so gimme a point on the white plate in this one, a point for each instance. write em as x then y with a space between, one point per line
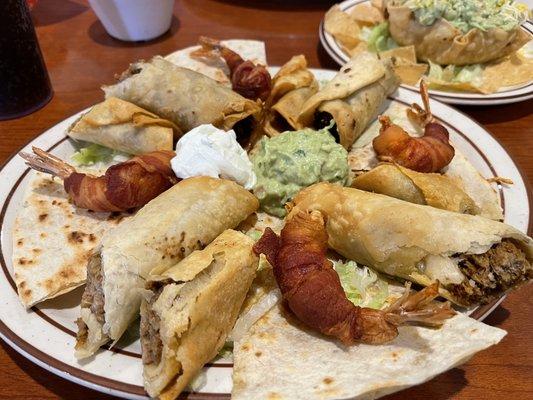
46 333
503 96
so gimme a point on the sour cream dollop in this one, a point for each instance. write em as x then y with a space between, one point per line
209 151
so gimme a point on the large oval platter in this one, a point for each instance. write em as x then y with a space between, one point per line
46 333
505 95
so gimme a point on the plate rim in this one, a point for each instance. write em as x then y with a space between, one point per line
331 46
125 390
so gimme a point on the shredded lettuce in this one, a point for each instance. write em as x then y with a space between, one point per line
378 38
472 74
94 153
363 287
227 350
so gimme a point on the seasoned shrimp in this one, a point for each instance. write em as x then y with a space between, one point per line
313 292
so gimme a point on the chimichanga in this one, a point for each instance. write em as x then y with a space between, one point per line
474 258
190 310
185 218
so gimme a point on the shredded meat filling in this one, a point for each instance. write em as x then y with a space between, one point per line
489 274
93 295
152 346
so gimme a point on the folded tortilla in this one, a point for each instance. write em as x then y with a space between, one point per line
185 218
353 98
281 359
123 126
185 97
53 239
190 310
434 190
475 259
442 43
291 87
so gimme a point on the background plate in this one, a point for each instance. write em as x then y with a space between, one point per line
46 333
504 96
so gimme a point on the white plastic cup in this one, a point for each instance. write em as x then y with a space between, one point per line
134 20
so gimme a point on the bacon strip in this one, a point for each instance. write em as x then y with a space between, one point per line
248 79
124 186
313 291
429 153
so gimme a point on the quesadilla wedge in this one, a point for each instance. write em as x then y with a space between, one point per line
281 359
52 240
474 258
185 218
190 310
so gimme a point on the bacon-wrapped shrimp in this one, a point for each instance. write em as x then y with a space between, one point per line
250 80
313 291
429 153
124 186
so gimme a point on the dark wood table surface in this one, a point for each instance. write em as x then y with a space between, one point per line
80 57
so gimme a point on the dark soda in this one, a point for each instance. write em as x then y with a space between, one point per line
24 82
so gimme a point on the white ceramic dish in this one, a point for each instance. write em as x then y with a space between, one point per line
503 96
46 333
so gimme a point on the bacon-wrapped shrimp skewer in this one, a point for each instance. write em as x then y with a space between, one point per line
124 186
250 80
313 292
429 153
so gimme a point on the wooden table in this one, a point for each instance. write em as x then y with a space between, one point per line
81 57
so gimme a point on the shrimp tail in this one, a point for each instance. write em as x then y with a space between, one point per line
45 162
419 308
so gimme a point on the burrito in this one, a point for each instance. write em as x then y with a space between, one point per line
185 97
475 259
185 218
434 190
291 87
190 310
467 32
353 98
123 126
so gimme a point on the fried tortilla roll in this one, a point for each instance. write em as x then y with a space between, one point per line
183 96
443 43
475 259
190 310
185 218
123 126
291 87
353 98
434 190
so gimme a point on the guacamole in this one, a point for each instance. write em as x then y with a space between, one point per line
291 161
470 14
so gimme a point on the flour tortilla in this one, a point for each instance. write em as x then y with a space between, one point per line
52 240
281 359
253 50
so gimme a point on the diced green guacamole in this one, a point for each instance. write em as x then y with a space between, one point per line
291 161
469 14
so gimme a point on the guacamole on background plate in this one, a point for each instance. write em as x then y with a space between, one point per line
469 14
291 161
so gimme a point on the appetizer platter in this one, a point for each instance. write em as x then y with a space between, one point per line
469 53
219 227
